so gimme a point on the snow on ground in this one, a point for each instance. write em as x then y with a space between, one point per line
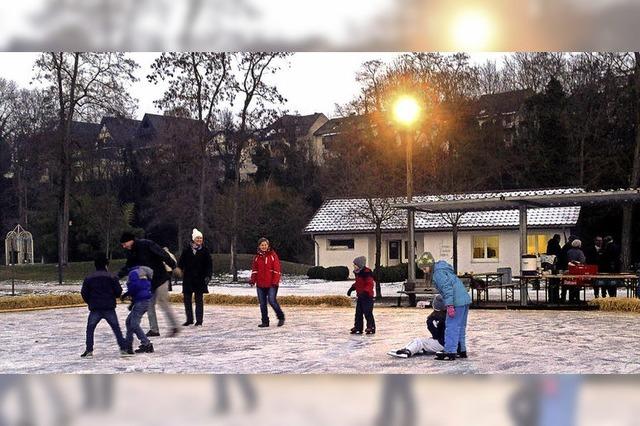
316 340
221 284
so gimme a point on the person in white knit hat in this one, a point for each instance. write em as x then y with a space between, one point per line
197 268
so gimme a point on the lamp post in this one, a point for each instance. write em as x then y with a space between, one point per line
406 112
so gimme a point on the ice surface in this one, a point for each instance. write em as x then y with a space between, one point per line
316 340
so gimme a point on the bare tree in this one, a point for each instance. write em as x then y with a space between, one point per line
198 82
84 85
258 100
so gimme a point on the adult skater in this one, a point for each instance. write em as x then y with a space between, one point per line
142 252
265 275
197 267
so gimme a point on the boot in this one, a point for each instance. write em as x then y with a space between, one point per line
187 323
145 349
370 331
355 331
442 356
462 354
281 322
152 333
87 354
263 325
126 352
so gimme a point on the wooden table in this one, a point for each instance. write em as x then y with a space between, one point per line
630 282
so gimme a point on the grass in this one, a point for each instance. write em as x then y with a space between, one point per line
617 304
76 271
34 301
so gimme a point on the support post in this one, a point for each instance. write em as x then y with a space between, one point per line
411 255
523 250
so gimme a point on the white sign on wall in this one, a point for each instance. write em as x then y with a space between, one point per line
445 251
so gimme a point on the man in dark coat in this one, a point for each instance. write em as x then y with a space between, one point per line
553 245
197 267
100 291
562 263
594 254
143 252
611 263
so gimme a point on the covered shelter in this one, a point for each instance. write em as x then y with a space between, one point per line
18 247
521 201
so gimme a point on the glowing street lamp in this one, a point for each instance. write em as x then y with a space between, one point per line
406 112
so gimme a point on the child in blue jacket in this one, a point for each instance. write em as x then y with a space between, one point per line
456 299
139 290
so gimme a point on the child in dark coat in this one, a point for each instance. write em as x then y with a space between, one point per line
139 290
100 291
364 291
436 324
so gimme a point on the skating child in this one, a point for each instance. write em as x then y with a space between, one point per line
139 290
100 291
364 292
436 323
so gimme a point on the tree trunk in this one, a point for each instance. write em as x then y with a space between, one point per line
234 223
377 263
455 246
203 177
627 209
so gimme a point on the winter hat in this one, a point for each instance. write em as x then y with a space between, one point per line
195 234
263 240
608 239
426 260
100 261
360 262
576 243
438 303
127 236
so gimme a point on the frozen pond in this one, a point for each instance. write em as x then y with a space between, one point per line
316 340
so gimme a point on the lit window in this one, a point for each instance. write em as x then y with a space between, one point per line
537 243
486 247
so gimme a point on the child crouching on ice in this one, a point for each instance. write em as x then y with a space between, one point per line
436 323
364 291
139 290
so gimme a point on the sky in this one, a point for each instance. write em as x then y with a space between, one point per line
314 81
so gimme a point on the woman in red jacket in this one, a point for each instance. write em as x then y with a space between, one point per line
265 274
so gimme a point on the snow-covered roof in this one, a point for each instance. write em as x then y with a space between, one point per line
344 215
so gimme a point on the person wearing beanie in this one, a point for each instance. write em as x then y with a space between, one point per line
100 291
197 268
436 324
265 275
457 300
139 291
364 292
143 252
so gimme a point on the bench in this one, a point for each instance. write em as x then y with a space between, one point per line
413 294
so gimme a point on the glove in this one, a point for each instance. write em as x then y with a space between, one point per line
349 291
207 280
451 311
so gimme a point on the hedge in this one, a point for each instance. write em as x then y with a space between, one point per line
336 273
316 273
397 273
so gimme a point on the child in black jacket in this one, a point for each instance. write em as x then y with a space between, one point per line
100 291
428 345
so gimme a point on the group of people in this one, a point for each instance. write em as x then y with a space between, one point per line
602 252
447 323
148 270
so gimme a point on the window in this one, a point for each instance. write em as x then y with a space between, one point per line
394 250
486 248
347 244
537 243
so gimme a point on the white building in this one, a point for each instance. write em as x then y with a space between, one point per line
486 240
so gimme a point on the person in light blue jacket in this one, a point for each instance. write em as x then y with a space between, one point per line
457 300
